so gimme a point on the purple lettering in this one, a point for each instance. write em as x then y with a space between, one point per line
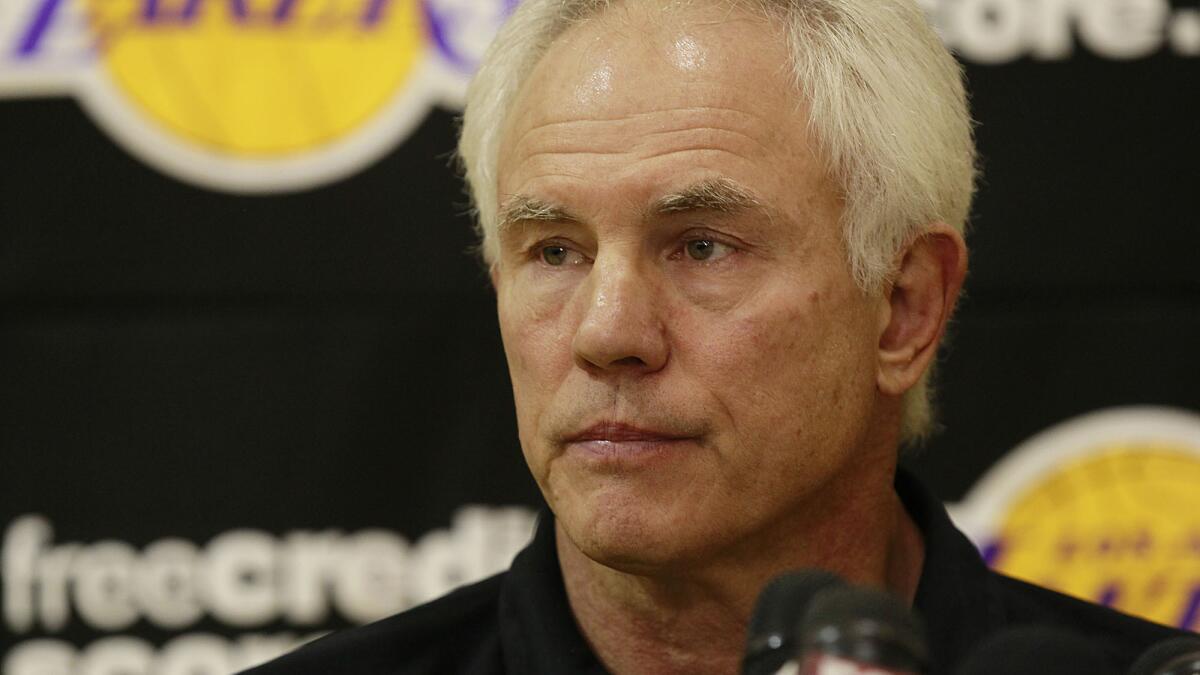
190 9
1109 594
153 11
374 13
42 19
283 11
991 551
1190 620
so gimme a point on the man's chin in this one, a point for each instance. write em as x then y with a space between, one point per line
631 540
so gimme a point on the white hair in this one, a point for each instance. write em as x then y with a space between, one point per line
886 107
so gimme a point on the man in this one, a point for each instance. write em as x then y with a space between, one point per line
725 238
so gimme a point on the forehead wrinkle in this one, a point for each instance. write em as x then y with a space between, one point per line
549 157
708 141
656 111
658 154
554 128
712 134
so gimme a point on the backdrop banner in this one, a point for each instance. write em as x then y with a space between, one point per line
253 388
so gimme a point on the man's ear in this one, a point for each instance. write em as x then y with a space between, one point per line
919 304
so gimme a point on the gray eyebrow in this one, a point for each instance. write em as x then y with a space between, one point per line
720 194
522 208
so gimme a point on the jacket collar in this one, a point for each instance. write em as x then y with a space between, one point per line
955 595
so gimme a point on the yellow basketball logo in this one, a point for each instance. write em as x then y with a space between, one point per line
249 95
1106 508
255 77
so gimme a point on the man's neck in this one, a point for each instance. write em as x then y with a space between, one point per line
693 619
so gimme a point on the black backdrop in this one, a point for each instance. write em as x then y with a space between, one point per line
176 361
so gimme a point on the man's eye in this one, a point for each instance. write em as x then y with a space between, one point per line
556 255
706 249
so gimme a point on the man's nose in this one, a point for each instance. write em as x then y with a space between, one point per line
622 327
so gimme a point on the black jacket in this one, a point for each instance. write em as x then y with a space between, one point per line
519 621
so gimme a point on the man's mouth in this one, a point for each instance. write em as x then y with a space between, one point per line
620 432
621 442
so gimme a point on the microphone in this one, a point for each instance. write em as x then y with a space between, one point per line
1177 656
779 609
1035 649
862 631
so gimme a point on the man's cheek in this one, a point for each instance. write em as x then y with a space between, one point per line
720 296
546 360
531 340
752 349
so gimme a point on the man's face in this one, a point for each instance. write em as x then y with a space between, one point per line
691 360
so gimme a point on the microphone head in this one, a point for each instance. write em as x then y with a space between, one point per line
867 626
779 609
1035 649
1177 656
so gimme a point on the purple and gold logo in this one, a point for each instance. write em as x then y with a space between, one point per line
249 95
1105 507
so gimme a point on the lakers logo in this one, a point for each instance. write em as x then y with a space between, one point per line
1106 508
249 95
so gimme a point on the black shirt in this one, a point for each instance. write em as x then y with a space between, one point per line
520 622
